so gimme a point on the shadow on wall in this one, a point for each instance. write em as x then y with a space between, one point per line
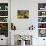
13 27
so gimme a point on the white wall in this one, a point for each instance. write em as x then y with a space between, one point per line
3 1
23 24
4 41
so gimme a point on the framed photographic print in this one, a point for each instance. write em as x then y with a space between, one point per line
41 19
4 29
3 19
41 6
22 14
42 32
3 13
41 25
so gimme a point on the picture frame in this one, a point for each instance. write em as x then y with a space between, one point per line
22 14
42 33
